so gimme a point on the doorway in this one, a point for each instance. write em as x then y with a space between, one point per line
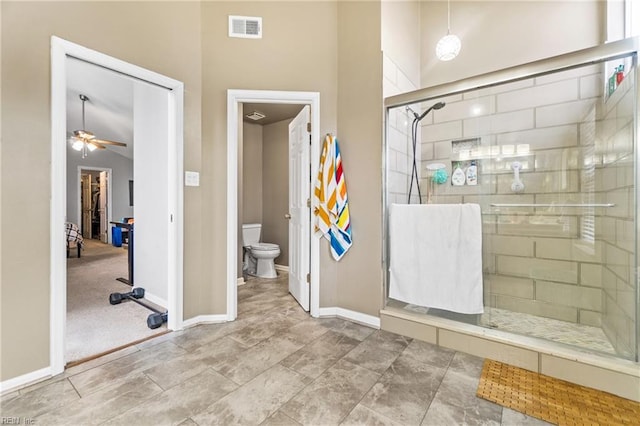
235 100
148 84
275 148
94 202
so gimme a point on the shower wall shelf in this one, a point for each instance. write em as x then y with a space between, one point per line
551 205
498 157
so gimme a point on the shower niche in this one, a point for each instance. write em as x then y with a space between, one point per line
465 159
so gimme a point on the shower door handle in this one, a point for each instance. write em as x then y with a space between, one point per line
287 216
584 205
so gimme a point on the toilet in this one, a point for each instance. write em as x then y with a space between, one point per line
258 257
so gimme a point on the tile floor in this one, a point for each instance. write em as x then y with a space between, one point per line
274 365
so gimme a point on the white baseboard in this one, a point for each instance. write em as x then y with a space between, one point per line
281 268
24 380
204 319
241 281
368 320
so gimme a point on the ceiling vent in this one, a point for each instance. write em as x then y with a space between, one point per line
245 26
255 116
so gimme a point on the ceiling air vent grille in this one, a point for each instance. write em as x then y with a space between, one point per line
255 115
245 26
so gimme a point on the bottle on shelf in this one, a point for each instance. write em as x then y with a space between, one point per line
458 177
472 173
619 74
611 87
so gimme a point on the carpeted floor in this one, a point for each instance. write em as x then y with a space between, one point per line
93 325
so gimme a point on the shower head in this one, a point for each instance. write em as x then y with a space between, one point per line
438 105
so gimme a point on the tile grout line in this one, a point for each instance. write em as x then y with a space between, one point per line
435 393
376 382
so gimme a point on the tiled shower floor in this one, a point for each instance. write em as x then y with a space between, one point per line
578 335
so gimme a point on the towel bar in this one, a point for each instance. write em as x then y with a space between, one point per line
552 205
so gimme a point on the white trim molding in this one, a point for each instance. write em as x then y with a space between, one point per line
24 380
282 268
234 98
359 317
204 319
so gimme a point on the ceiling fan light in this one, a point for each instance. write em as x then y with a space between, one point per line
91 146
448 47
77 144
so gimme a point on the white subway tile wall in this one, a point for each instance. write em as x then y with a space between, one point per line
576 147
399 144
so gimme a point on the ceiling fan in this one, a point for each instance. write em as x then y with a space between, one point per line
83 140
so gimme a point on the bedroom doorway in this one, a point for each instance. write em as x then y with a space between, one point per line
95 202
155 99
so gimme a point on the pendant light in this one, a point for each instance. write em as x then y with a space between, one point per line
448 46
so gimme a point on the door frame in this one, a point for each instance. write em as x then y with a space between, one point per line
109 199
235 97
60 50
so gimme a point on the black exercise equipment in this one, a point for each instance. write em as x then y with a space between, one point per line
155 320
136 293
129 227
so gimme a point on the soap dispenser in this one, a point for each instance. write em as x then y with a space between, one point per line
458 177
472 174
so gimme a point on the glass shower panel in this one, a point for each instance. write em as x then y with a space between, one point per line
554 157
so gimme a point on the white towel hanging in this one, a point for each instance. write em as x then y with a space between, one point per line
436 256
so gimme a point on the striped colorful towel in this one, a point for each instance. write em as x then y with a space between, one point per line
332 214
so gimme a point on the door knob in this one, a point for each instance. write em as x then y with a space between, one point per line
287 216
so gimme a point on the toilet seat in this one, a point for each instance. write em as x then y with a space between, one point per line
264 246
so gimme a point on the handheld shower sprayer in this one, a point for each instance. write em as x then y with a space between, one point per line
438 105
414 136
419 117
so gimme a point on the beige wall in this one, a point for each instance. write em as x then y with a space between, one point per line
279 61
359 274
499 34
401 41
275 187
251 174
163 37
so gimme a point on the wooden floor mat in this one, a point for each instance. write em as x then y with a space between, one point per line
553 400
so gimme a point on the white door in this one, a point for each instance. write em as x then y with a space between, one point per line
150 186
299 196
103 207
87 208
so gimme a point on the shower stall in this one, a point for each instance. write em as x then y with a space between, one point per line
553 147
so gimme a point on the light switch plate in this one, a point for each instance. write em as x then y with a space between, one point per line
191 179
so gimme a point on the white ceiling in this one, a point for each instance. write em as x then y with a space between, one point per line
109 111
